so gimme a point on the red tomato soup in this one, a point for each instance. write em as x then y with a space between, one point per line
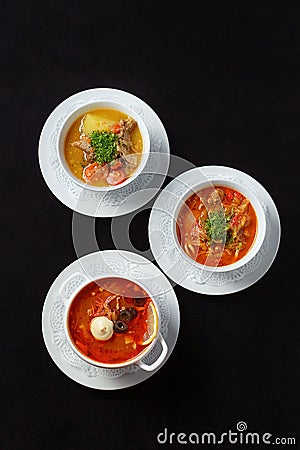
216 226
129 313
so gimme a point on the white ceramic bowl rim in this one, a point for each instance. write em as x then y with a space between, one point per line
260 215
98 104
68 303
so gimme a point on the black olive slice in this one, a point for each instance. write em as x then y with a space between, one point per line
127 314
120 327
133 312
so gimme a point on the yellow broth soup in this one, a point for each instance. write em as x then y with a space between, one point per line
103 147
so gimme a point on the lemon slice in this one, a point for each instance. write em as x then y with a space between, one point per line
152 325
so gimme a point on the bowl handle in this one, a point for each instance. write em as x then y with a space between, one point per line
74 275
153 366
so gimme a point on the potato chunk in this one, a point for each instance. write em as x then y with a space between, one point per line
93 121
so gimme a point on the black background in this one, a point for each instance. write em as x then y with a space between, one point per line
224 79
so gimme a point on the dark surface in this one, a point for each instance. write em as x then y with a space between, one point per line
224 79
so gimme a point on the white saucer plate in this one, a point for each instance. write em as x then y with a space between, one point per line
111 203
187 273
96 264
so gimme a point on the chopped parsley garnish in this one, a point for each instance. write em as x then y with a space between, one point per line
217 228
104 144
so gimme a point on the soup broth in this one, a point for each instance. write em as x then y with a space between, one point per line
127 306
216 226
103 147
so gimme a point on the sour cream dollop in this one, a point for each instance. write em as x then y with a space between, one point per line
102 328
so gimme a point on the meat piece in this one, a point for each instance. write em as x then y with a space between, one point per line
123 148
88 151
124 144
130 162
194 201
244 205
126 126
248 221
241 222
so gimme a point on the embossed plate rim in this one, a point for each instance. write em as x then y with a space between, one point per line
128 379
